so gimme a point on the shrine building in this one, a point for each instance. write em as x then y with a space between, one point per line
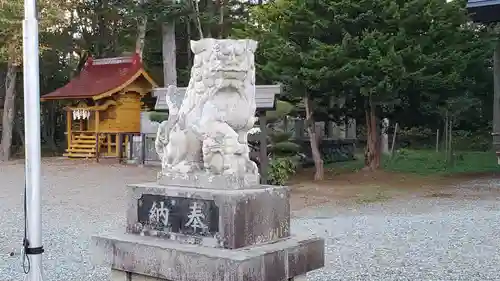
103 106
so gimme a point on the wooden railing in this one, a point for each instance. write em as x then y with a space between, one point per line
107 144
113 144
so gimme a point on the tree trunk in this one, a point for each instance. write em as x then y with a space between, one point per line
18 131
49 125
221 19
141 33
372 149
84 55
311 130
19 127
169 54
197 18
8 112
103 41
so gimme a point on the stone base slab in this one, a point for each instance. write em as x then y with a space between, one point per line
206 180
168 260
118 275
246 216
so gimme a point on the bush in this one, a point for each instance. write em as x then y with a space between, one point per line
156 116
284 149
425 138
280 170
414 137
475 141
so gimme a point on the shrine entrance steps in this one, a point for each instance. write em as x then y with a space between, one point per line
82 146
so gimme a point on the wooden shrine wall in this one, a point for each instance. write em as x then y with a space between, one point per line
125 116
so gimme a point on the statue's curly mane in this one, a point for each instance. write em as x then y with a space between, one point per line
198 92
217 111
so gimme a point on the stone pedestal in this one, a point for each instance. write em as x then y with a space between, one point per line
184 233
215 223
118 275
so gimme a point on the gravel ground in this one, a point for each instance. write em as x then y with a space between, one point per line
422 239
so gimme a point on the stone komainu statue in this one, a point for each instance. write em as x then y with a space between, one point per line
207 128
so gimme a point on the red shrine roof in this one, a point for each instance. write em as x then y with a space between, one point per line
102 77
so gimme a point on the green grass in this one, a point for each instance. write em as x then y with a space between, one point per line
427 162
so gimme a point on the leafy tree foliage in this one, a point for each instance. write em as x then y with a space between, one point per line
11 55
384 57
414 61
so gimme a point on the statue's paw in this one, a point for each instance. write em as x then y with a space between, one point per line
181 168
186 167
216 164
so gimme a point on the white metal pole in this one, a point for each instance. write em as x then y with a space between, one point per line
32 140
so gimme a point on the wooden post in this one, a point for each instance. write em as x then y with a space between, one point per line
119 146
96 121
108 141
437 140
131 147
69 119
264 161
394 139
143 149
97 145
97 140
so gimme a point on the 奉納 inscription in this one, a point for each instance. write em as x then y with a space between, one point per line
166 214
